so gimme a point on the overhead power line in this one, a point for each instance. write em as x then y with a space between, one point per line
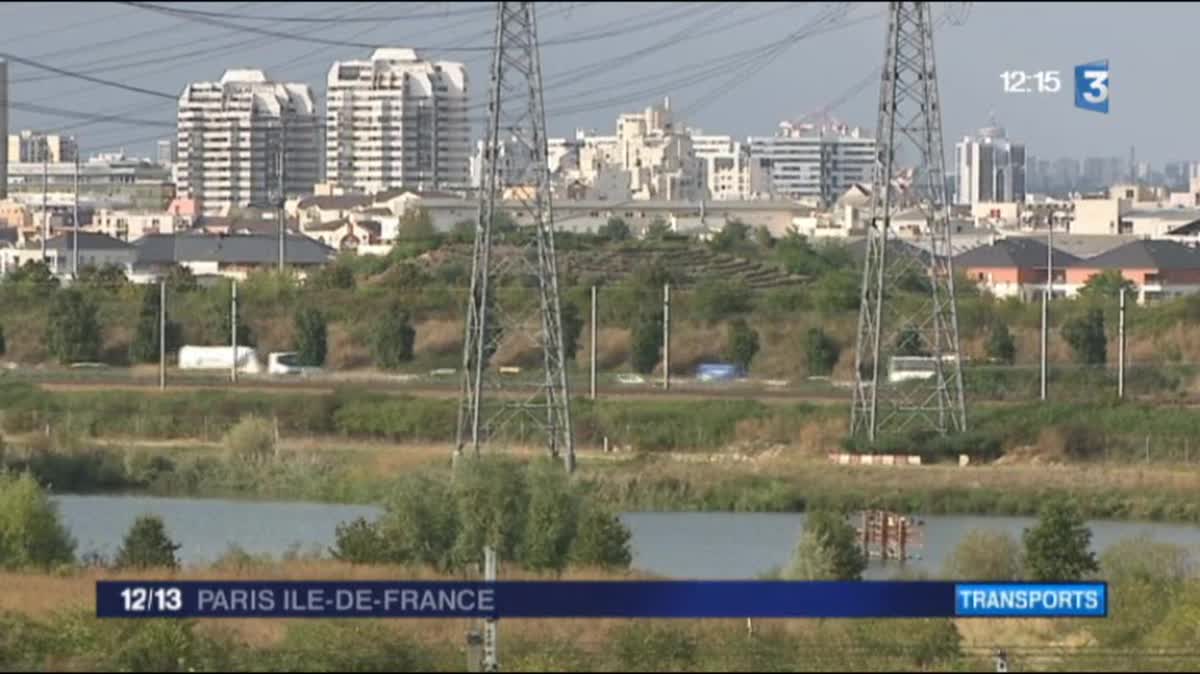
87 78
486 8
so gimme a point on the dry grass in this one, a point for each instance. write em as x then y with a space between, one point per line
345 351
612 347
438 337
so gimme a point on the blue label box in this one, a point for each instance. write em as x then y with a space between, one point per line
1091 86
1026 600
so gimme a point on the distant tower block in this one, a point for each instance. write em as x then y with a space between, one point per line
910 135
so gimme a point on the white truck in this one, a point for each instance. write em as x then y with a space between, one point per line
219 358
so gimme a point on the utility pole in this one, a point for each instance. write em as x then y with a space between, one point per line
491 636
1046 301
282 212
162 334
45 189
75 231
909 129
666 336
233 331
521 119
1121 349
593 391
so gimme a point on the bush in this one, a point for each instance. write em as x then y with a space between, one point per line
147 545
420 524
1000 345
838 541
572 327
821 352
718 300
311 337
647 344
252 439
145 345
742 344
1057 548
392 339
3 344
551 518
1085 335
31 533
985 555
601 540
359 542
72 328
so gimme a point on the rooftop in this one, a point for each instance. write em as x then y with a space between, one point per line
229 249
1019 252
1148 254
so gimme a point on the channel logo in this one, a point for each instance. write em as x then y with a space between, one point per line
1091 86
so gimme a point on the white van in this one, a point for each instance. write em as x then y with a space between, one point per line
288 362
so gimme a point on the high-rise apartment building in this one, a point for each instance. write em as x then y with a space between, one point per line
396 120
237 134
990 168
36 147
816 162
166 152
729 172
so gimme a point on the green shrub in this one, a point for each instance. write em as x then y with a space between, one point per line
31 532
147 545
252 439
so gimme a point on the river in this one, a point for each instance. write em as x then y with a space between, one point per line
677 545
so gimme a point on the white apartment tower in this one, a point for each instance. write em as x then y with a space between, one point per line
37 146
991 168
232 135
396 120
815 162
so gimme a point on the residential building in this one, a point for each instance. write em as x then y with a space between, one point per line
814 162
729 172
167 153
233 134
347 234
1016 267
1098 215
397 120
990 168
105 181
13 213
1158 269
38 146
95 250
130 225
230 256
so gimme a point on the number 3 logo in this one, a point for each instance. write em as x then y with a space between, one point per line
1091 86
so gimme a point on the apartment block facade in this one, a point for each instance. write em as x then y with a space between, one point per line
814 162
397 120
240 137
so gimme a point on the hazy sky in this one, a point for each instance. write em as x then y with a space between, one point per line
706 56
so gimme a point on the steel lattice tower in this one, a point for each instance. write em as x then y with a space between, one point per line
515 167
910 130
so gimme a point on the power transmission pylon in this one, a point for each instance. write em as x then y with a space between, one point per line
487 403
926 322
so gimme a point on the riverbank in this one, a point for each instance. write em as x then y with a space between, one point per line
783 479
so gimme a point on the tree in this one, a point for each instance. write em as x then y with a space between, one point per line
490 502
717 299
311 342
837 291
34 273
821 351
31 531
658 229
245 336
762 237
572 328
908 343
181 279
336 276
1000 345
72 329
144 347
1057 548
551 519
742 344
392 339
360 542
3 344
251 439
985 555
601 539
839 542
415 225
810 560
147 545
1106 286
614 230
107 277
647 342
1085 335
734 234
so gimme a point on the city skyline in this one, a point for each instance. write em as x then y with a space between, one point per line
783 87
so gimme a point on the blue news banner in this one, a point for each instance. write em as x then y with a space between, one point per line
606 599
